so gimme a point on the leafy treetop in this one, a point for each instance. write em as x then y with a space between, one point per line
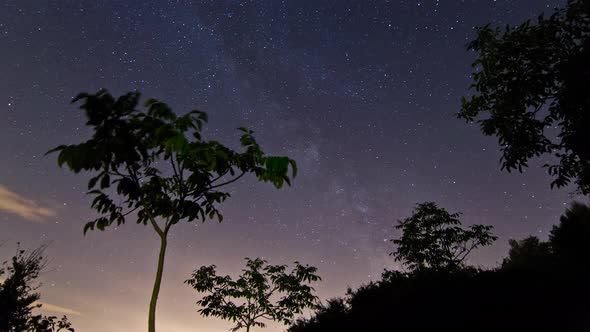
262 292
433 239
159 163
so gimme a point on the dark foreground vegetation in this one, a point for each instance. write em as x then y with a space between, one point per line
18 296
540 286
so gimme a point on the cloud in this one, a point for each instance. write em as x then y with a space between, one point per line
13 203
57 309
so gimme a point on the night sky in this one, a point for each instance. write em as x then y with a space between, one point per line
361 93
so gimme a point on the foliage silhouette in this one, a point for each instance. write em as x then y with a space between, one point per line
432 238
248 300
531 291
570 239
18 296
160 167
531 78
530 254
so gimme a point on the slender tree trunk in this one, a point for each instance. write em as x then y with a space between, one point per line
158 281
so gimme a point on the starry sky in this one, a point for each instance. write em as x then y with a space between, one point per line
360 92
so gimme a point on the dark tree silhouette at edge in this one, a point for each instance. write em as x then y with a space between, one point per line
18 295
531 91
541 286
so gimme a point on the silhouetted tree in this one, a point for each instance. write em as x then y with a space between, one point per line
570 240
160 166
529 253
532 92
18 296
432 238
531 291
262 292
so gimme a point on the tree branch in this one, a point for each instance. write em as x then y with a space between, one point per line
130 211
219 176
227 182
204 190
154 223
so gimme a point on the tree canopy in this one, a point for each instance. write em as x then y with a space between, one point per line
531 90
432 238
158 162
262 292
529 253
569 239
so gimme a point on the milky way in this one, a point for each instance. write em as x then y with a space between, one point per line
361 93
